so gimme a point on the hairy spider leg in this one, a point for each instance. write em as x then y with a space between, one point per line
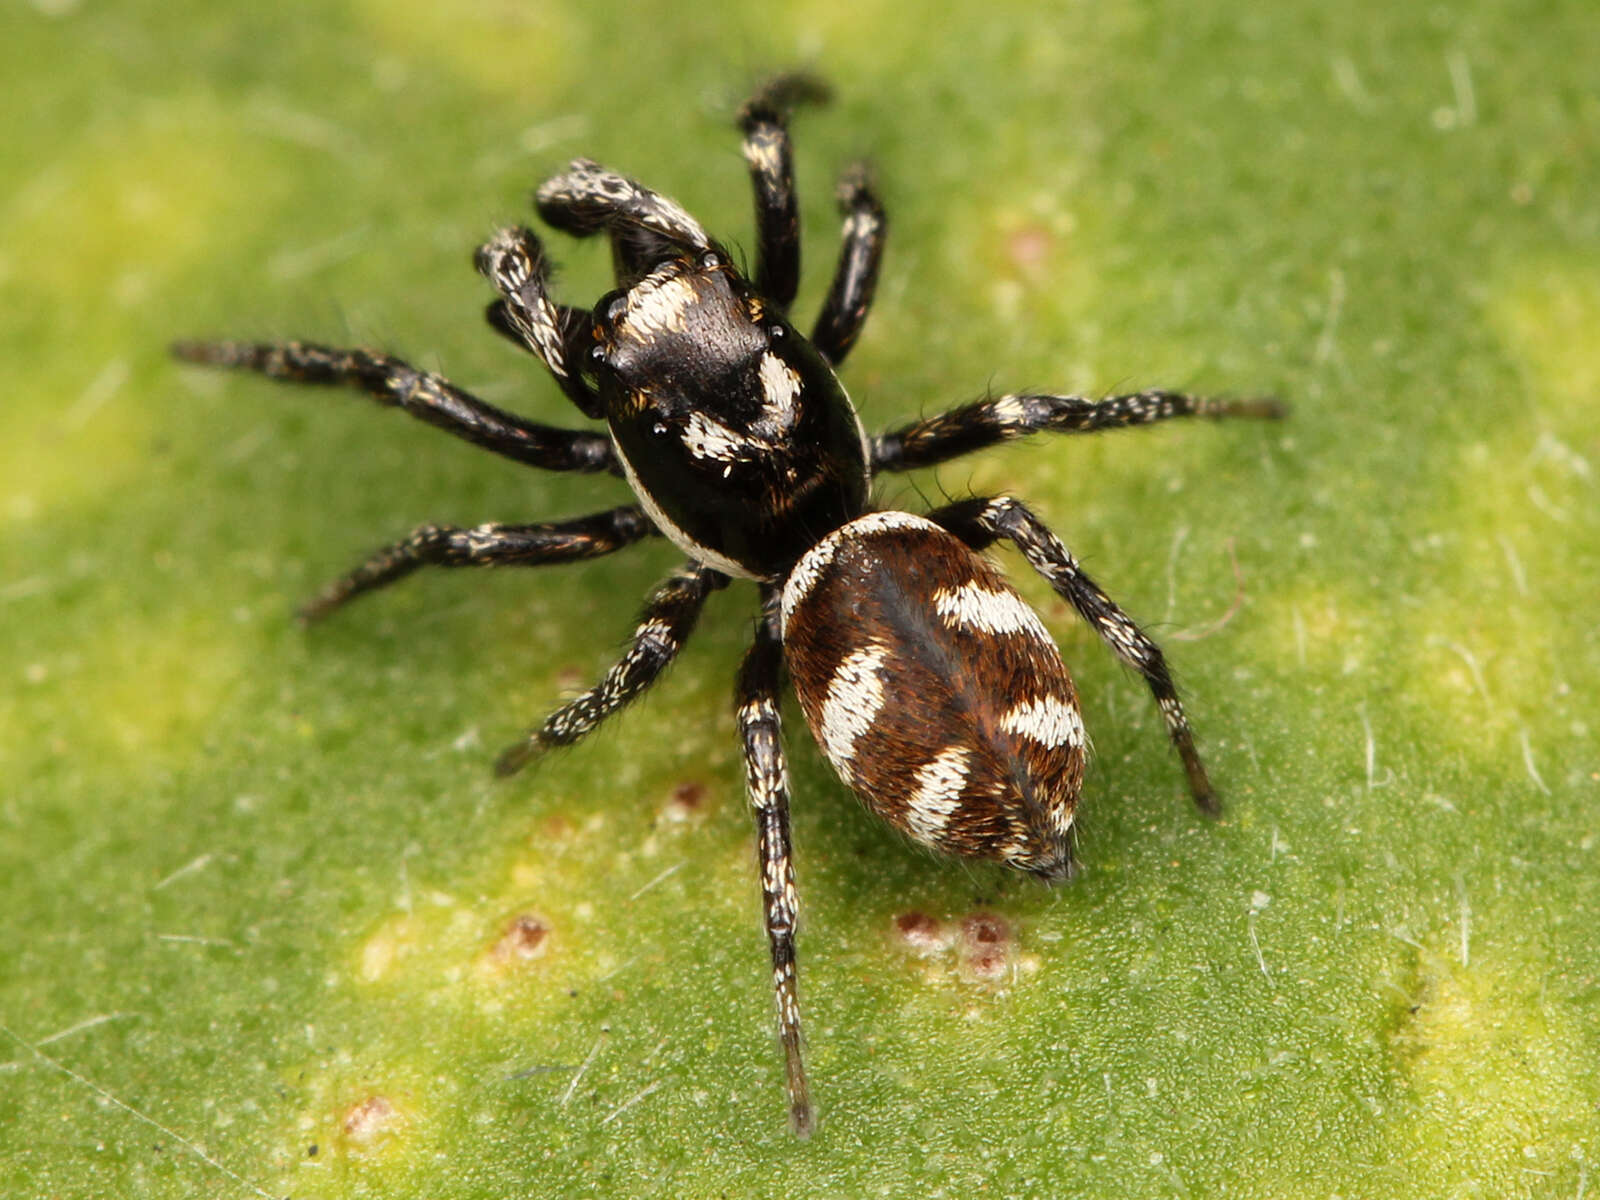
983 520
587 199
513 261
767 782
1005 418
488 545
855 278
664 626
423 394
764 121
646 227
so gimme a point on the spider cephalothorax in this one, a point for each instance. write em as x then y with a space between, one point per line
731 428
934 690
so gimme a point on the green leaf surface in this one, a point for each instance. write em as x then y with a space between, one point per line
269 927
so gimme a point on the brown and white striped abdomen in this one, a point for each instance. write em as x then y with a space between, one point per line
936 692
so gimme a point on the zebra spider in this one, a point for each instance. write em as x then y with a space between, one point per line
933 689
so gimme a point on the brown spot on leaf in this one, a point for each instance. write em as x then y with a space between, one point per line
557 828
986 945
687 800
1028 247
921 933
369 1120
525 938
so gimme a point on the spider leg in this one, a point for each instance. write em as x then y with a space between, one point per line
764 119
668 619
855 278
1005 418
492 545
513 260
423 394
981 521
589 199
767 781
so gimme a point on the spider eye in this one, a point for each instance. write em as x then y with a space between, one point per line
710 260
612 305
776 333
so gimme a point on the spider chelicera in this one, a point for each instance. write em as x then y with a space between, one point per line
934 690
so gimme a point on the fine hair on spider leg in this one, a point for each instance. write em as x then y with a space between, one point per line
935 691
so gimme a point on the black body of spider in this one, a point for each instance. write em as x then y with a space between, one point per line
934 690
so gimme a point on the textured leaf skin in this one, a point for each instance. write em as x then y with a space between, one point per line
258 886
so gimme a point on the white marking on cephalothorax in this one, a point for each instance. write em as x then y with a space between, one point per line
817 560
855 697
938 793
1048 720
674 532
988 610
865 439
706 437
780 389
658 306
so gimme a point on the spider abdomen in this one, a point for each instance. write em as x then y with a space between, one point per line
936 692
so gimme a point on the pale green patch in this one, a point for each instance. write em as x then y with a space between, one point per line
1493 1069
90 241
122 212
131 691
519 52
1548 315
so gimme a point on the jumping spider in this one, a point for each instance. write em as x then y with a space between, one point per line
935 691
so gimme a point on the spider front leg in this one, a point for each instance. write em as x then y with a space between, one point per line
492 545
668 619
980 522
767 782
513 260
764 119
855 279
646 228
423 394
1006 418
588 199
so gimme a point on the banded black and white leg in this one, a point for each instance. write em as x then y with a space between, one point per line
767 782
514 262
491 545
587 199
1006 418
645 227
764 120
423 394
981 521
664 625
855 277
